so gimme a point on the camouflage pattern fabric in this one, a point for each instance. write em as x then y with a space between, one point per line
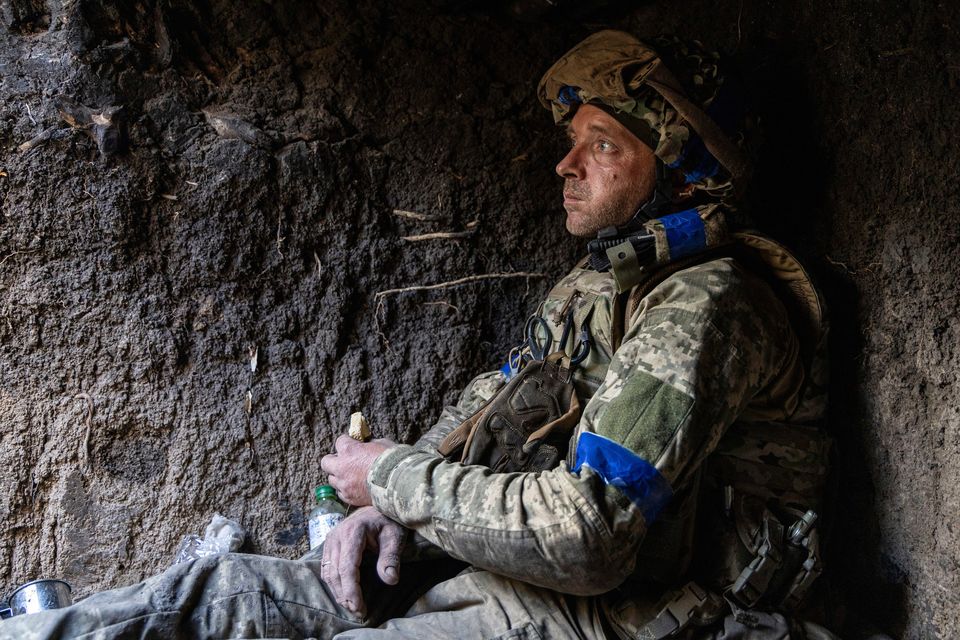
704 347
686 119
241 596
224 596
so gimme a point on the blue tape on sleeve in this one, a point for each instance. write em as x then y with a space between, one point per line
618 466
685 233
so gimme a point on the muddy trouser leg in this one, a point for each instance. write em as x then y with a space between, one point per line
481 605
227 596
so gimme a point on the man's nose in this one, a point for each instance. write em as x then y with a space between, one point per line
571 166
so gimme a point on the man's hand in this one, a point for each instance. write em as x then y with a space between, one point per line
343 550
347 469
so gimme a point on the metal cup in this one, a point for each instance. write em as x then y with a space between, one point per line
40 595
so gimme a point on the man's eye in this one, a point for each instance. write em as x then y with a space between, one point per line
604 146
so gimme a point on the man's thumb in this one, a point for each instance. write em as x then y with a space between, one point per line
388 562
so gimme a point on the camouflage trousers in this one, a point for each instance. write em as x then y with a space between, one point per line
248 596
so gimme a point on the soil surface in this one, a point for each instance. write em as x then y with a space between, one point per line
199 279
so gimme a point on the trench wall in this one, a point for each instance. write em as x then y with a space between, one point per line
186 326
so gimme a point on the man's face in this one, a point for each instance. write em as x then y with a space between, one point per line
608 173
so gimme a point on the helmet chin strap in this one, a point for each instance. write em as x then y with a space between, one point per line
633 230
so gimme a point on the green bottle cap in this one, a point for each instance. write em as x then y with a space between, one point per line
323 492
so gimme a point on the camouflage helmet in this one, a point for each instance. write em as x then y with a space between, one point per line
691 126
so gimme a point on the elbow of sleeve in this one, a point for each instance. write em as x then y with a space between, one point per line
599 573
592 560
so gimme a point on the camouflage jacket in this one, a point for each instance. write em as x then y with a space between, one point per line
709 346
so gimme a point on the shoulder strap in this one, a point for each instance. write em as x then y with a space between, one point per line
627 303
764 257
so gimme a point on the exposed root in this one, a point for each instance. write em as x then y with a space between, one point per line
413 215
892 53
850 270
85 449
442 303
379 295
17 253
439 235
38 139
280 237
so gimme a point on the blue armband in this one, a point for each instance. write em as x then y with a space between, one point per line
619 467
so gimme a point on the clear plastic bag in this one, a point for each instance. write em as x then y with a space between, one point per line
222 535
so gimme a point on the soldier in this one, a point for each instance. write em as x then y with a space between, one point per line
644 466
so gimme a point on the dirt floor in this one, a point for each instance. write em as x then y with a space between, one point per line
257 197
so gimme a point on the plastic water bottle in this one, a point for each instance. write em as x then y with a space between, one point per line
325 516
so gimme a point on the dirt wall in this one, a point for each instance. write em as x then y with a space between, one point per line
261 199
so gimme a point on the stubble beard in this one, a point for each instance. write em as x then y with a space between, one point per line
592 217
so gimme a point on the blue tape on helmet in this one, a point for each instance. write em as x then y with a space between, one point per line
619 467
685 233
695 162
568 95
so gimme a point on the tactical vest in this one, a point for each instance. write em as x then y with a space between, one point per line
755 496
763 477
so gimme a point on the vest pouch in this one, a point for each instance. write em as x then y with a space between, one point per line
526 426
752 556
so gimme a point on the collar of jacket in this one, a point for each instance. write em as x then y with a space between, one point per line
676 236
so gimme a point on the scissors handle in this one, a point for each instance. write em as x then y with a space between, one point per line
539 350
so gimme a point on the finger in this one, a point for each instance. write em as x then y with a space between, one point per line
329 463
349 570
391 544
329 565
345 443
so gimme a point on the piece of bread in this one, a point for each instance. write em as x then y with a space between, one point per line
359 429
